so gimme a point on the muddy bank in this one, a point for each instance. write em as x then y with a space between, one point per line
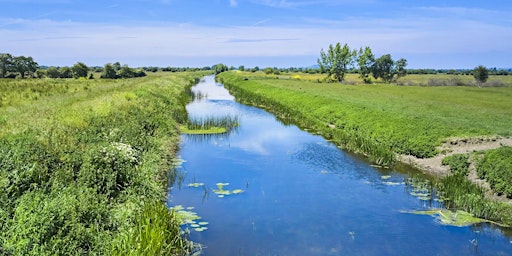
453 146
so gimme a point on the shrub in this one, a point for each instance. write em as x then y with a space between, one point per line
459 164
496 168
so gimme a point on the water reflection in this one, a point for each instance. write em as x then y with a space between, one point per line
303 196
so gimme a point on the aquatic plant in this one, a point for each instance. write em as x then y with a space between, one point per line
221 192
210 125
451 218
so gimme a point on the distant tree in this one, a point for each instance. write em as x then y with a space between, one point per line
365 60
126 72
6 64
25 65
387 69
109 72
481 74
268 70
40 73
117 66
241 68
53 72
66 72
219 68
80 70
336 61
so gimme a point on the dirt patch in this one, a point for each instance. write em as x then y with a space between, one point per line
459 146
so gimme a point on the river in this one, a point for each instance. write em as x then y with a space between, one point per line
272 189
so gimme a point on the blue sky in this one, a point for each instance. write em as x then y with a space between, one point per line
282 33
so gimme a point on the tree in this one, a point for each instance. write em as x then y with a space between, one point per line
126 72
387 69
6 64
53 72
66 72
481 74
365 60
80 70
109 72
336 61
219 68
25 65
241 68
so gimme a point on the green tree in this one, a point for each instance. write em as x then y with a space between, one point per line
219 68
109 72
66 72
241 68
365 60
25 65
481 74
336 61
53 72
387 69
6 64
126 72
80 70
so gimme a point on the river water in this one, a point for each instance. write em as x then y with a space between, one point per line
284 191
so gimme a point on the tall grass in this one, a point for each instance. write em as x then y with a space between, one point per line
83 165
209 122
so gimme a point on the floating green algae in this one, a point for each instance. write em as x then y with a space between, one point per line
451 218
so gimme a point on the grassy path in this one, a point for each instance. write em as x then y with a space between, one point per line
84 164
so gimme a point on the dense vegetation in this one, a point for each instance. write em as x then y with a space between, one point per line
496 168
84 163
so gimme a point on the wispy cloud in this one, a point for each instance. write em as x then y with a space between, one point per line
48 40
233 3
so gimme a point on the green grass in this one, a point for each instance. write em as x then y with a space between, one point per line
84 163
380 118
496 168
459 164
383 120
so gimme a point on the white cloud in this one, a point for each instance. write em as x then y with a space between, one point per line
49 41
233 3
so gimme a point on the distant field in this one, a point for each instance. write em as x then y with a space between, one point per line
414 79
377 118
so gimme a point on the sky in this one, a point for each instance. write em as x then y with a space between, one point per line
264 33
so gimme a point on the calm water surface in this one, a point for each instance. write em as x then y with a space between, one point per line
304 196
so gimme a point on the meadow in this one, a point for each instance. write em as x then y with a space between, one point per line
84 165
381 121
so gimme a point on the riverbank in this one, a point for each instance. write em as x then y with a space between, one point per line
84 165
383 121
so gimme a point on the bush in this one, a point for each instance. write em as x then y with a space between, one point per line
496 168
459 164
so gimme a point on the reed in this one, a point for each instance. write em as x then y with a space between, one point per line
210 125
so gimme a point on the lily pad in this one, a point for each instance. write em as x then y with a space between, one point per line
203 223
390 183
385 177
237 191
196 184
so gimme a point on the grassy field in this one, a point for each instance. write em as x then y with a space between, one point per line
383 120
380 118
84 164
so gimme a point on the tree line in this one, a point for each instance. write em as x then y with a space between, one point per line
339 60
12 66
